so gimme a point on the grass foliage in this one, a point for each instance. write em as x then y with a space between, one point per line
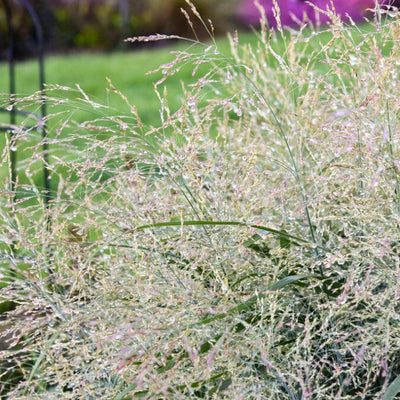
245 248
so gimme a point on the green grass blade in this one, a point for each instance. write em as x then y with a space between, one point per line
290 279
122 395
253 299
392 390
280 234
39 360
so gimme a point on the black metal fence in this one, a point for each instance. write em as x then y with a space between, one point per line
12 110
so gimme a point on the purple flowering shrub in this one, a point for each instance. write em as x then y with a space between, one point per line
294 12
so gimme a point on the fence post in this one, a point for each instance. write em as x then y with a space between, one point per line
11 90
12 94
40 46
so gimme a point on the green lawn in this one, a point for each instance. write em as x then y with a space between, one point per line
127 71
129 74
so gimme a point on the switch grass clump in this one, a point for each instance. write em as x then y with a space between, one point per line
245 247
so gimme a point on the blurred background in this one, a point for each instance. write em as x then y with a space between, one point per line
101 25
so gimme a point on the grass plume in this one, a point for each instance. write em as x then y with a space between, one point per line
183 255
